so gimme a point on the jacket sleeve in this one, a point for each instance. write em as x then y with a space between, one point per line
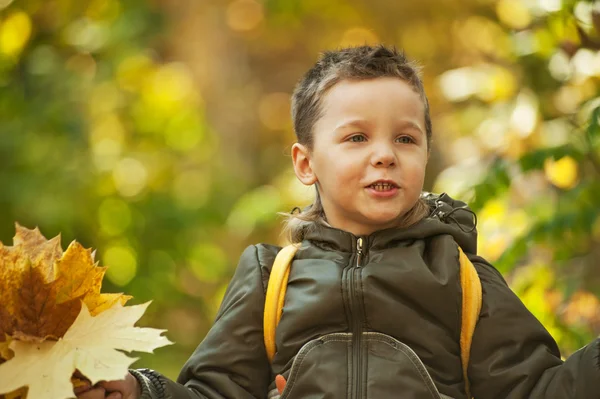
514 357
231 362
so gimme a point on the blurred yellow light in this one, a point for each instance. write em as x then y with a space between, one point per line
130 177
513 13
492 133
479 34
106 140
457 179
564 29
567 98
494 211
244 15
110 126
493 246
560 66
545 43
133 71
122 264
515 145
114 216
550 5
563 173
583 12
171 85
465 149
534 299
274 110
518 222
15 31
185 139
86 35
586 63
358 36
106 153
525 115
458 84
496 83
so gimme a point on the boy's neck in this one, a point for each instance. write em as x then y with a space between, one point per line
418 212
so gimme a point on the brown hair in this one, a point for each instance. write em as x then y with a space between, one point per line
353 63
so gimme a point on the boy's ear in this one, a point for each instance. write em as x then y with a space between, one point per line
303 165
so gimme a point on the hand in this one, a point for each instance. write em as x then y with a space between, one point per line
280 383
127 388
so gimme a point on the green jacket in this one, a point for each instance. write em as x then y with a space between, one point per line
381 321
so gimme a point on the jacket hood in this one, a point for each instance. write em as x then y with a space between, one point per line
447 216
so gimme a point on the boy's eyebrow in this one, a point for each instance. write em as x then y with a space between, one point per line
363 123
412 124
352 123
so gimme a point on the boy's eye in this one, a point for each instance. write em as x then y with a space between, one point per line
357 138
405 140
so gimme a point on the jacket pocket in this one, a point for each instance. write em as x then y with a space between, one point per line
319 370
322 369
395 370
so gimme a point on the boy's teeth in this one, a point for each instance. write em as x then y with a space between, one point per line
382 186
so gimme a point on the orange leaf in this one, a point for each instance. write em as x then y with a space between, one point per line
42 288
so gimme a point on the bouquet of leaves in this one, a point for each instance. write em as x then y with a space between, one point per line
56 328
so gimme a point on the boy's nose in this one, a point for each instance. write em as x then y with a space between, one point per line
383 156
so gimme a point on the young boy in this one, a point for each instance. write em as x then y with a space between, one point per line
373 305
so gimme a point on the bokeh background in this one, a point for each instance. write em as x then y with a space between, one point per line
158 132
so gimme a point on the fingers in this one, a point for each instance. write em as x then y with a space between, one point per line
110 386
83 387
115 395
96 393
280 383
127 387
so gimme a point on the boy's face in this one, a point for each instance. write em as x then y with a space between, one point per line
371 131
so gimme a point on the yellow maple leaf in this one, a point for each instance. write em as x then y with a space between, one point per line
42 252
42 288
92 344
77 276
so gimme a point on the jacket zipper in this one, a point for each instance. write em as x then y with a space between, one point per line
356 318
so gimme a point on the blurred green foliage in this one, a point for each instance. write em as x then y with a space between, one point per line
155 131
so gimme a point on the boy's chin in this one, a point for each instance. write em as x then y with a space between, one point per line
383 219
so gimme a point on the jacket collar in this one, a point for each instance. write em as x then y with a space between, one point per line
447 216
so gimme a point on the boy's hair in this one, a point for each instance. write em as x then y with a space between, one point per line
353 63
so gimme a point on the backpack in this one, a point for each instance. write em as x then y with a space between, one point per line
471 303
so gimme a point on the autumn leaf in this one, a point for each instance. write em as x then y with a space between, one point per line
42 288
93 345
49 300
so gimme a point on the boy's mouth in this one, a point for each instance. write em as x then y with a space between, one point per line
383 186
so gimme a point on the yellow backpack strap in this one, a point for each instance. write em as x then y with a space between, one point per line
471 307
276 295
